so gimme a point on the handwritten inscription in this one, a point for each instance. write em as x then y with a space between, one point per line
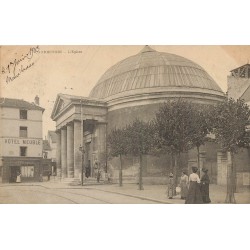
18 66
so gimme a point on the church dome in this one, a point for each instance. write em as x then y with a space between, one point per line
151 71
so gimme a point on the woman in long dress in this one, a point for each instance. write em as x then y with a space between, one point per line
194 192
184 185
205 186
18 178
171 186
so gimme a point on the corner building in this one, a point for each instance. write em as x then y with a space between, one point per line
133 88
21 140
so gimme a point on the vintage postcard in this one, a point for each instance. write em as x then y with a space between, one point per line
147 124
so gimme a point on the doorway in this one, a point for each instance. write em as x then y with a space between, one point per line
88 159
14 170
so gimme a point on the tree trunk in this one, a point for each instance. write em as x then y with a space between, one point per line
230 181
175 173
198 159
140 174
172 163
120 171
234 179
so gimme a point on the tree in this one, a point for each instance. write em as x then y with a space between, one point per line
201 127
173 125
139 138
117 147
231 118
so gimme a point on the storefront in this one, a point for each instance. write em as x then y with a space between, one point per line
29 168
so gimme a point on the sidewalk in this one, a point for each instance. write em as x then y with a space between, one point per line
155 193
158 193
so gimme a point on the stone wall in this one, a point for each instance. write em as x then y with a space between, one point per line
121 117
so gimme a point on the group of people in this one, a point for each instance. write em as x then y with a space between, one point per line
193 189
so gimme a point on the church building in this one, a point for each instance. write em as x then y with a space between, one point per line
132 88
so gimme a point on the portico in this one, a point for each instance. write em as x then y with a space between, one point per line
79 121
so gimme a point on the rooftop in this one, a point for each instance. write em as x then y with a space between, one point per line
150 69
18 103
242 71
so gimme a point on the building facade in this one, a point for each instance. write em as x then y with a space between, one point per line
81 123
21 139
238 88
133 88
49 154
51 137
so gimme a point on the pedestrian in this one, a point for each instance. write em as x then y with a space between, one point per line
49 174
18 178
170 186
194 192
98 175
109 177
205 181
41 177
87 172
96 167
184 185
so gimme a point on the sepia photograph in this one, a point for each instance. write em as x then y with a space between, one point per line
125 124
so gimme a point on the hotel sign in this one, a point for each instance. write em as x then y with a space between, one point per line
22 141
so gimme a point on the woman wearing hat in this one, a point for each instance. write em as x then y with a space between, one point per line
205 186
171 186
184 185
194 192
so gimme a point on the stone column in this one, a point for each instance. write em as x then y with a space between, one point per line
77 152
70 150
58 153
64 152
101 144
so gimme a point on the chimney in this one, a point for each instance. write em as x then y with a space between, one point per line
37 100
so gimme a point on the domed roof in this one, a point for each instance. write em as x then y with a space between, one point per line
151 69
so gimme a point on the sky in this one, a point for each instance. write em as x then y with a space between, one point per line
27 71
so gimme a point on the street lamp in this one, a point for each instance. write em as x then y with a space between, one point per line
81 145
81 148
82 151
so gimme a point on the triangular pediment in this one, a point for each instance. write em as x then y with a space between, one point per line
61 105
62 101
